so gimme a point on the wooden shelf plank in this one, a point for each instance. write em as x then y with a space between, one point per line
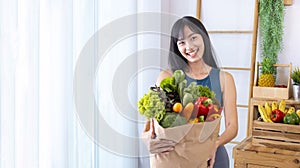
242 105
236 68
288 2
230 31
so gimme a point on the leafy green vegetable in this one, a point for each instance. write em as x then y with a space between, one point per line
188 97
151 105
179 76
172 120
159 100
205 92
180 88
168 98
193 90
168 84
180 82
186 93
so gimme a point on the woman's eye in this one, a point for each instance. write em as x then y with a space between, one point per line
180 43
194 37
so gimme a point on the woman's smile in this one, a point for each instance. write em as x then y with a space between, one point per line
192 53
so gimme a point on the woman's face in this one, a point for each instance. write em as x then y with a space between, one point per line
191 45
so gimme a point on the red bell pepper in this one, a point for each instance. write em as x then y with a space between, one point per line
277 116
202 106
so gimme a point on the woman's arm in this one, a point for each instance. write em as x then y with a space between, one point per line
163 74
230 110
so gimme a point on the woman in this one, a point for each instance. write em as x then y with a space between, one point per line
191 51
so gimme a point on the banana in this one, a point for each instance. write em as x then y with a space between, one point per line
274 106
298 113
268 109
214 116
263 114
291 110
282 105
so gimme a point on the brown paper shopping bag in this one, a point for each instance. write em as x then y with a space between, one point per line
194 145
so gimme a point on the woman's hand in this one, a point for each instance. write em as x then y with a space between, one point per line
154 144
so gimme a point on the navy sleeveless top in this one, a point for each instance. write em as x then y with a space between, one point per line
212 81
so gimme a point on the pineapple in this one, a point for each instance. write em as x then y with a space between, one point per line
267 79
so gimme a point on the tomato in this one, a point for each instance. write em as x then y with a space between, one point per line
177 107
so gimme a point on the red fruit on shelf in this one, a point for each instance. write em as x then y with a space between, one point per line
277 116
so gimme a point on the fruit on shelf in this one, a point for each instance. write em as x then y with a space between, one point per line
274 106
282 105
291 118
263 114
279 113
268 108
281 86
266 79
277 116
298 113
291 110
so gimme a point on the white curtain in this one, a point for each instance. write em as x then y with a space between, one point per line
40 44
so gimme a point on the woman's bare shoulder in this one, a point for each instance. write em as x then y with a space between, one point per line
163 74
226 78
229 78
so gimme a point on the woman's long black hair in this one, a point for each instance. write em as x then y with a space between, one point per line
176 60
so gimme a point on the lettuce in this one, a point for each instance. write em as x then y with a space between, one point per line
168 84
151 105
204 91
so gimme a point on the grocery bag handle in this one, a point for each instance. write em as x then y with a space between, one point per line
208 129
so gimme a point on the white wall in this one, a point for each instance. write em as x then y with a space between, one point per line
290 53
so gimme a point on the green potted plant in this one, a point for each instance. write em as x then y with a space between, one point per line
271 15
296 83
